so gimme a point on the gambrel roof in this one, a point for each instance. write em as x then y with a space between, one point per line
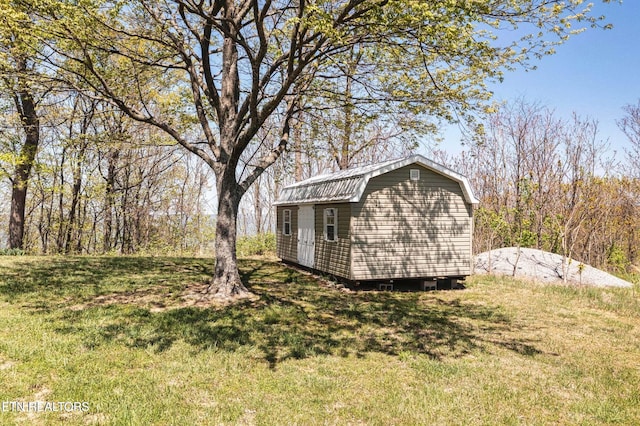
349 185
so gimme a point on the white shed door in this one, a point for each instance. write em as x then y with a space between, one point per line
306 236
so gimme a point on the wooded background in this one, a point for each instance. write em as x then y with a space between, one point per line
104 184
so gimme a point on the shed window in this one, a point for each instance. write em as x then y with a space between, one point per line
331 224
286 222
414 174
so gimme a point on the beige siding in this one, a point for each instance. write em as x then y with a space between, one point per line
403 228
287 245
333 257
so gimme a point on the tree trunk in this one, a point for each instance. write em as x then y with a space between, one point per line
75 198
31 125
258 206
345 152
61 221
18 202
297 138
226 284
109 199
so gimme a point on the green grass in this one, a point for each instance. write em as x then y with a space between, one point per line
118 333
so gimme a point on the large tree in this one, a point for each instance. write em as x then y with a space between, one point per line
241 63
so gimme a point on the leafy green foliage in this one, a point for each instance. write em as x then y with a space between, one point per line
497 224
260 244
12 252
617 259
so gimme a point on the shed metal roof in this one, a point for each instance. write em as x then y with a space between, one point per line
349 185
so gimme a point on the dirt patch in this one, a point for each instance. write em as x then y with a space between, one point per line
155 296
5 365
196 295
159 298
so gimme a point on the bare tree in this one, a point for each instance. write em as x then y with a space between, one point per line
539 180
630 125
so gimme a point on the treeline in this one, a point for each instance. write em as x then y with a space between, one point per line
101 183
553 184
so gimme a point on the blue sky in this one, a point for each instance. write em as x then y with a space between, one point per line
594 74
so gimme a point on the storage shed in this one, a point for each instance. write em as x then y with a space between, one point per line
408 218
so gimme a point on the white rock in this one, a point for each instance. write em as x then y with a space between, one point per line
543 266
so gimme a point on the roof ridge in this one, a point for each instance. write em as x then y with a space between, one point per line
346 173
348 185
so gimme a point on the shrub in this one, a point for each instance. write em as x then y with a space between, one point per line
260 244
617 259
12 252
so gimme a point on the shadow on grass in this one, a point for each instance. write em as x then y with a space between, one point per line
46 281
294 317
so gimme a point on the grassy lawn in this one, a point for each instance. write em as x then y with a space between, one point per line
126 336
